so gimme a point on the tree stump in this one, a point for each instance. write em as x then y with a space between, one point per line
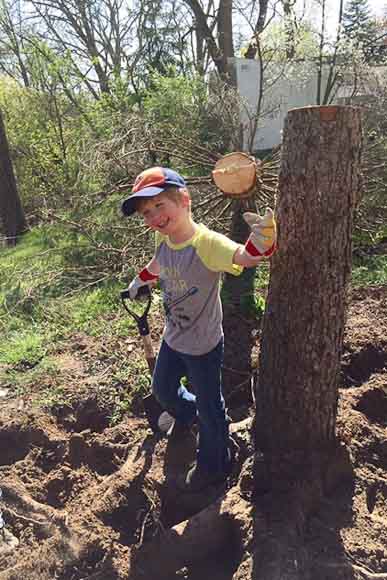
304 321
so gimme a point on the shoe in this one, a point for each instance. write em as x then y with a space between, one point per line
199 478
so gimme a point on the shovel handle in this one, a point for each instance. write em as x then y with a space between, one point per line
142 320
149 352
142 324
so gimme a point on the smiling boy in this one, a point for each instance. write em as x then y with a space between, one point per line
188 262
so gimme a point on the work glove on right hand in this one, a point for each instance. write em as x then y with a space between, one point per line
144 278
263 238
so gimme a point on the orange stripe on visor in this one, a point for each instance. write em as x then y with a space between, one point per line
149 178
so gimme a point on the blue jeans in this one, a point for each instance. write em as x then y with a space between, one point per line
204 373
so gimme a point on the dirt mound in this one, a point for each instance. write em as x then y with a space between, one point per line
365 342
84 499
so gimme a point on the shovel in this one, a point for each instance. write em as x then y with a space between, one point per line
159 420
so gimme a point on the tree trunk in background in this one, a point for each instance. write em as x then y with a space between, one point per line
289 24
304 320
225 36
11 211
252 48
239 322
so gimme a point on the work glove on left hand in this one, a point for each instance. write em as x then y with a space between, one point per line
263 238
144 278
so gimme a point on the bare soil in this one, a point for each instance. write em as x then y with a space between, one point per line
81 498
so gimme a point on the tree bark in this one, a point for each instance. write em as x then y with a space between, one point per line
206 32
220 48
303 328
11 210
225 32
252 48
289 23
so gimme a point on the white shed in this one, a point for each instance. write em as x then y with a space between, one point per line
286 88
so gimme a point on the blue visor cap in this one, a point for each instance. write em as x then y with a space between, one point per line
149 183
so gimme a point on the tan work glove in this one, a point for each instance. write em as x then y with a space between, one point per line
263 238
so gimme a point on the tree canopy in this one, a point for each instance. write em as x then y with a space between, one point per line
360 28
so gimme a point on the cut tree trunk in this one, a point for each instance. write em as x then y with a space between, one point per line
304 321
11 210
297 389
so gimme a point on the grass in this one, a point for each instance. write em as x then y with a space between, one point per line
125 400
26 348
56 293
370 270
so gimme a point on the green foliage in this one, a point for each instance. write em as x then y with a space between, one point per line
186 108
125 401
177 102
262 275
51 397
117 102
274 42
55 275
371 213
360 28
39 144
70 150
88 311
23 348
356 18
253 306
44 303
357 22
43 306
163 46
370 270
52 132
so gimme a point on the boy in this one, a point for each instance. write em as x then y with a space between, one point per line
188 262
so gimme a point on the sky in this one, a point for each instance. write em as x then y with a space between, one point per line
376 8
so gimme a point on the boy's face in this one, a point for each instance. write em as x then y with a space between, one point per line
165 215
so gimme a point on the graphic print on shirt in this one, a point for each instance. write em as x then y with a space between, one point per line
173 302
174 313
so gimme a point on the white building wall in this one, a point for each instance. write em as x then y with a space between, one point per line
290 89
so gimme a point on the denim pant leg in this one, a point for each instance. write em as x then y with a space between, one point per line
167 388
205 374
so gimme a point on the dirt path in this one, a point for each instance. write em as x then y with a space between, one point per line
80 496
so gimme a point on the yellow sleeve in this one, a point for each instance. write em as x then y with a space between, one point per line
158 239
217 251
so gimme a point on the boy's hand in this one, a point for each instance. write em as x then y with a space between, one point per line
144 278
263 238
